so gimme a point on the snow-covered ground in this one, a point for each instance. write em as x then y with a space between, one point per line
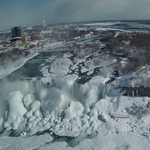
140 78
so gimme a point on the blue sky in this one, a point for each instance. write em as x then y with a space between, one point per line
32 12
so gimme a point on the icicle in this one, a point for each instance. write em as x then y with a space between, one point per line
132 93
137 92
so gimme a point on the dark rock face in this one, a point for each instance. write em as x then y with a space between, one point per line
138 40
134 46
80 33
105 40
137 91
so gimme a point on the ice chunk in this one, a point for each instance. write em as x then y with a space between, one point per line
102 105
71 125
101 108
60 66
69 129
27 100
75 109
65 83
54 100
45 70
92 96
29 114
35 105
16 110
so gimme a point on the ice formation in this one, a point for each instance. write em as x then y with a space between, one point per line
15 112
57 104
60 66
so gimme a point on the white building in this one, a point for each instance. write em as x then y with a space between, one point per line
46 32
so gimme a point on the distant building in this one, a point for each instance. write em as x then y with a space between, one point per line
16 34
46 33
34 37
79 32
23 37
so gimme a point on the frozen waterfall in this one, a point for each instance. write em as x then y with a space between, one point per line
59 105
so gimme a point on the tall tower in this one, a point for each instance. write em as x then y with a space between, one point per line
16 32
44 24
23 37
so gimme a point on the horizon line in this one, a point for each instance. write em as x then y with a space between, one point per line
76 22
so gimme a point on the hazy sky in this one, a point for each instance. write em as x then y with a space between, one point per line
32 12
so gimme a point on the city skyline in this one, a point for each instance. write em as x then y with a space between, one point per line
30 13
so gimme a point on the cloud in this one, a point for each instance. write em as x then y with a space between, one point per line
58 11
78 10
